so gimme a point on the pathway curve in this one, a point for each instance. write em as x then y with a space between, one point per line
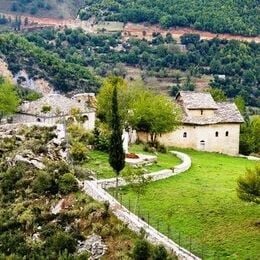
96 189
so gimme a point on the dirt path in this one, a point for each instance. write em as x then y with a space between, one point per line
130 29
39 22
143 31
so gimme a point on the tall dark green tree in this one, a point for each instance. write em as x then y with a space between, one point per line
116 152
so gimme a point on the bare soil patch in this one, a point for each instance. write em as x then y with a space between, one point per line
144 31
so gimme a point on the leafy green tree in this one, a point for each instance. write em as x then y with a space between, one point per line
250 137
218 94
241 104
9 100
104 99
153 113
249 185
116 152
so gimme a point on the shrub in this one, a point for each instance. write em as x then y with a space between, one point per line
142 250
249 186
160 253
101 139
62 241
79 152
68 183
162 148
43 183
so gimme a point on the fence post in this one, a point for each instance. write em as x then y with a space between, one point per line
179 239
190 243
168 230
120 196
158 225
148 219
129 204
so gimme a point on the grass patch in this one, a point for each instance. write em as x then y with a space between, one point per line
99 162
202 204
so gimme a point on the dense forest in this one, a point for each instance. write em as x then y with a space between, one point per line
234 64
231 16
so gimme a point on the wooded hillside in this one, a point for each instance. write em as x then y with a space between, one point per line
231 16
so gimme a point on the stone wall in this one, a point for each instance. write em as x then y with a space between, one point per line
18 118
195 134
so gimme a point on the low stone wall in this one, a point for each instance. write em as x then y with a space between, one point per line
155 176
135 223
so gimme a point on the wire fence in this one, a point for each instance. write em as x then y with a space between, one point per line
190 243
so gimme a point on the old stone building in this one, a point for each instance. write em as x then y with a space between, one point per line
54 108
206 125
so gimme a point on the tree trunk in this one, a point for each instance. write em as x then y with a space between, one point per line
117 185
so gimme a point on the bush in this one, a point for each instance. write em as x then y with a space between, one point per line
68 183
62 241
160 253
43 183
79 152
142 250
249 186
162 149
101 139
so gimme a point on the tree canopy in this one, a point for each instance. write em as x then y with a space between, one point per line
9 100
237 17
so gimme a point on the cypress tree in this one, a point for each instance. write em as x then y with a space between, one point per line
116 152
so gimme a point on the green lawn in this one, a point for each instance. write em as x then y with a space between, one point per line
99 162
202 203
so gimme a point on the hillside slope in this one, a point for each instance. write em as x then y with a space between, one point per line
48 8
232 16
43 214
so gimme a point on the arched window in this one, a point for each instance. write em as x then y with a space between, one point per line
216 134
184 135
227 133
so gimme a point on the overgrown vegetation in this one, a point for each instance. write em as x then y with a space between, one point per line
29 227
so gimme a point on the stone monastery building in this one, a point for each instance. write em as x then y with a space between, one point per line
206 125
53 108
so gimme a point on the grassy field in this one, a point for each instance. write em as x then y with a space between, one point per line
99 162
203 206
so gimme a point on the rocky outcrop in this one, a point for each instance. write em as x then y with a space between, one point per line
55 149
94 245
